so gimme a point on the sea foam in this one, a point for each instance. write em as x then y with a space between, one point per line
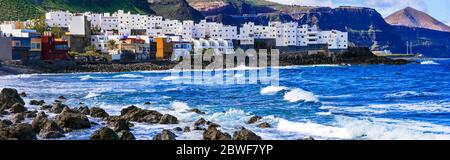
298 94
429 63
128 76
272 89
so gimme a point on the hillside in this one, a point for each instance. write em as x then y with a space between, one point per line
233 7
175 9
411 17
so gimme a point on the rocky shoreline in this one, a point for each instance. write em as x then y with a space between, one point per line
355 55
19 122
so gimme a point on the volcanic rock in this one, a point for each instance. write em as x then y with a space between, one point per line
104 133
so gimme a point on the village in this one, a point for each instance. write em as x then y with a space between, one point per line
126 37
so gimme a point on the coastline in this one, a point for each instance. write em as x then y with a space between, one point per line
355 56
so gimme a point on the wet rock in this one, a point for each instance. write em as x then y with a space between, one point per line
17 108
62 98
98 112
245 134
36 102
9 97
168 119
264 125
195 110
72 119
165 135
58 107
128 110
51 130
39 121
135 114
30 114
21 131
120 124
212 133
104 133
147 103
18 118
84 110
46 107
254 119
5 123
187 129
126 135
23 94
178 129
200 122
67 130
309 138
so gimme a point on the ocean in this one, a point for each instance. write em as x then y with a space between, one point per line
374 102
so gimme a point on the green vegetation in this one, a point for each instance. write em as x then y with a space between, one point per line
19 10
31 9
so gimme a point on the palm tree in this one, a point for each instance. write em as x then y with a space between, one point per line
112 45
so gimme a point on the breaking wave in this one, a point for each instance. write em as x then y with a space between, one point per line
429 63
406 94
129 76
272 89
298 94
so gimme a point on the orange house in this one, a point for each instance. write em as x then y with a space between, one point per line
164 48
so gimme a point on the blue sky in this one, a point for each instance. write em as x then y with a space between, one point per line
439 9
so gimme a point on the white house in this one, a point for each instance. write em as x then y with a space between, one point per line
58 18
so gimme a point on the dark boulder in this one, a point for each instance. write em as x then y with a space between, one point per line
119 124
135 114
98 112
46 107
254 119
187 129
18 118
168 119
84 110
212 133
62 98
200 122
23 94
58 107
104 133
72 119
17 108
21 131
51 130
245 134
30 114
178 129
264 125
37 103
165 135
9 97
5 123
126 135
39 121
195 110
128 110
147 103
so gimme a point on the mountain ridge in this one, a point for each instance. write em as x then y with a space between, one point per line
411 17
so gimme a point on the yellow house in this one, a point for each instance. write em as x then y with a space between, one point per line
164 48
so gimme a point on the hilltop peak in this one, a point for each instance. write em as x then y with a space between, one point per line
412 17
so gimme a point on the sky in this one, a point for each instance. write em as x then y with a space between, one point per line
439 9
